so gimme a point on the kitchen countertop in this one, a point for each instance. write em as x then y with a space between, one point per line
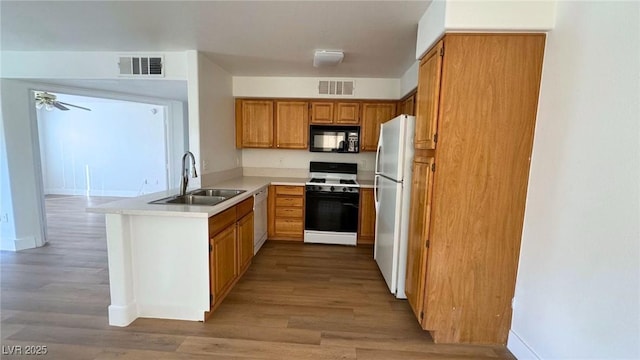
365 183
252 184
140 205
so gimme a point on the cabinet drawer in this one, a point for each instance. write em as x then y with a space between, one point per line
289 190
283 212
288 226
221 221
244 208
289 201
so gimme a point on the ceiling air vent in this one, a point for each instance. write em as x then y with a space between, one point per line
142 66
331 87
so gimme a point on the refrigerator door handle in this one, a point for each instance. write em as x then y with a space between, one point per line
378 152
375 193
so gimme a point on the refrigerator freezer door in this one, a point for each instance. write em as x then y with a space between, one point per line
391 147
386 252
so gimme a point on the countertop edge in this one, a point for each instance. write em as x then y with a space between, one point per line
140 206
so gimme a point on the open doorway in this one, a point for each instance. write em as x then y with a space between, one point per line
98 151
118 148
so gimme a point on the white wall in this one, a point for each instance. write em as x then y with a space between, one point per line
81 64
524 15
482 15
193 106
218 152
7 230
27 220
431 26
307 87
409 79
578 286
116 149
276 162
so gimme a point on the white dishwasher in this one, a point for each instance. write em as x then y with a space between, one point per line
259 219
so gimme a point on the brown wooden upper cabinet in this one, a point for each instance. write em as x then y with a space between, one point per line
335 113
373 115
428 96
272 124
254 123
407 105
292 124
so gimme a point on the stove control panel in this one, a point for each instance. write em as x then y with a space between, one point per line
333 188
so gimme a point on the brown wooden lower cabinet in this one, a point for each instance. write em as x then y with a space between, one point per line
230 248
245 242
286 212
224 260
367 223
419 216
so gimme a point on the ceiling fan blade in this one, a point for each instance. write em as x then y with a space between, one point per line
60 106
76 106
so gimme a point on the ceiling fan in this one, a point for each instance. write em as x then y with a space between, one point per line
48 101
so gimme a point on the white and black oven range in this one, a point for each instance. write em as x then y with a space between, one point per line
331 204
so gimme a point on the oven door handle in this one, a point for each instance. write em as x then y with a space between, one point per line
329 195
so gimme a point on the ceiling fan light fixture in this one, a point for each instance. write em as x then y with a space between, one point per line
323 58
49 102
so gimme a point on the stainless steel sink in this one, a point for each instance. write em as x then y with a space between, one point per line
217 192
204 197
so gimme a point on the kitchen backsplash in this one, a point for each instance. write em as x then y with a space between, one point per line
295 163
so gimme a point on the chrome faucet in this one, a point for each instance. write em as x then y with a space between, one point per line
185 173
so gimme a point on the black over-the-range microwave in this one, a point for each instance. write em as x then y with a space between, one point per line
336 139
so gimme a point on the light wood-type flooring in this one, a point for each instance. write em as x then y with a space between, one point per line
295 302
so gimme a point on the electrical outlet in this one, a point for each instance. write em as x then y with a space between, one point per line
205 165
363 164
4 218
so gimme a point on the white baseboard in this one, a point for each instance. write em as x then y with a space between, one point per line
10 244
122 315
519 348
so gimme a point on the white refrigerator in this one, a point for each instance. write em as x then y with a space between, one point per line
392 193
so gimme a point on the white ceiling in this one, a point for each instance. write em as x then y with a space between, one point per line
247 38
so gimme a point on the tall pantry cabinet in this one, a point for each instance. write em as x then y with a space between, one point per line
476 109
